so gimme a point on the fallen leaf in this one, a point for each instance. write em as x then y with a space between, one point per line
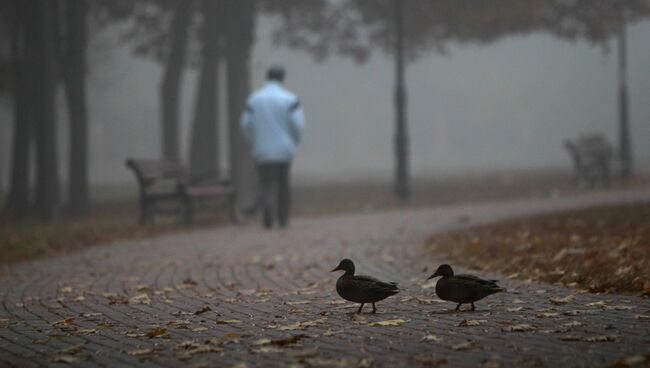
433 338
140 299
300 325
261 342
227 321
388 322
471 322
156 332
547 315
365 362
66 321
232 334
202 310
619 307
85 331
71 350
464 345
298 302
139 352
199 329
69 359
515 309
566 327
565 300
524 327
428 301
595 304
599 338
642 317
265 350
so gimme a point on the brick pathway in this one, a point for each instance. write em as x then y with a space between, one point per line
240 296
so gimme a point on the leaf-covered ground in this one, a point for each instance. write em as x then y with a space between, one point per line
605 249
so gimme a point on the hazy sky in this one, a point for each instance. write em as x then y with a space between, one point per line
506 105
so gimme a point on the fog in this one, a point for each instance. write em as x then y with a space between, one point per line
506 105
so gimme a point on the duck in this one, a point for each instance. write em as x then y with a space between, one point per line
362 289
463 289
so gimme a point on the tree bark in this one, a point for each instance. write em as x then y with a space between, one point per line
402 180
204 149
43 96
625 149
74 73
240 39
170 87
18 199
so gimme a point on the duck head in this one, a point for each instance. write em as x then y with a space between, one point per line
345 265
443 270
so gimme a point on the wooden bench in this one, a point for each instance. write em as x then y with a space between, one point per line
592 157
167 188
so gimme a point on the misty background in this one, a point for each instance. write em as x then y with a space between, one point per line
504 105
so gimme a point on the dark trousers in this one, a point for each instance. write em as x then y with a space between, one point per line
274 187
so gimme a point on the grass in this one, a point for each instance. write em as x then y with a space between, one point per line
605 249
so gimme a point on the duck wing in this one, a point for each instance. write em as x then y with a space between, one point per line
476 279
375 284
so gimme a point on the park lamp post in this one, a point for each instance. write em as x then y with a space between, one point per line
625 150
402 182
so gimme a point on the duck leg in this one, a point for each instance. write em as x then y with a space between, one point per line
458 306
473 306
360 308
374 309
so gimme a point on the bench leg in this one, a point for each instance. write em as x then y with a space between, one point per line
234 212
144 210
188 211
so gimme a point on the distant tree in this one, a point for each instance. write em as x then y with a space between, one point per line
239 35
18 199
42 40
170 88
74 73
204 146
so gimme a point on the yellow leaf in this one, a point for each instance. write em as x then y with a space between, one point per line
388 322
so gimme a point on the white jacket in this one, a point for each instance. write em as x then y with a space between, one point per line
272 123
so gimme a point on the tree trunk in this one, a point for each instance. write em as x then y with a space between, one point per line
204 148
18 200
240 39
170 87
74 72
43 96
625 149
402 181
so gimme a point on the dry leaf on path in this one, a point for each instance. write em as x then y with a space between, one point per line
139 352
388 322
464 345
471 322
565 300
69 359
156 332
524 327
515 309
433 338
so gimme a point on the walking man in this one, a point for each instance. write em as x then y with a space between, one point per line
272 123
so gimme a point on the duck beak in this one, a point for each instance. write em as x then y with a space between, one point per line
434 275
336 269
